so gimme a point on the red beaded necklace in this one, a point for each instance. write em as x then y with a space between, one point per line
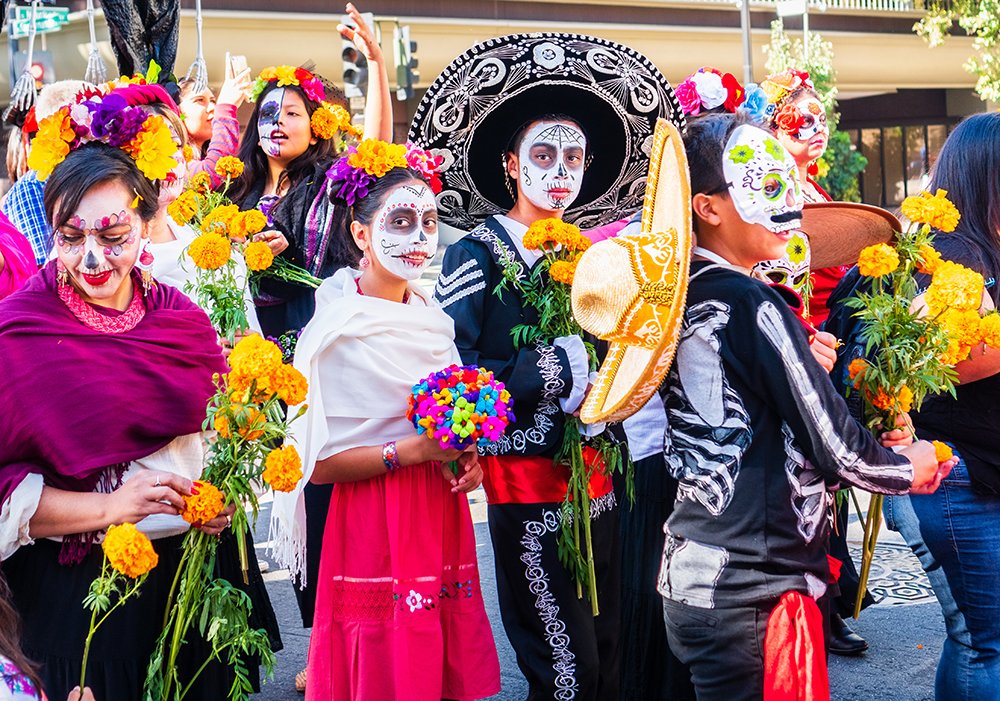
94 320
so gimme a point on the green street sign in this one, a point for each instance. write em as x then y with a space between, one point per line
47 19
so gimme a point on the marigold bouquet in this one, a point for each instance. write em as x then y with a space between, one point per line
913 342
246 413
460 406
128 558
547 289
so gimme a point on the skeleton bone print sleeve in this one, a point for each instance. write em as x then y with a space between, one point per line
834 443
536 376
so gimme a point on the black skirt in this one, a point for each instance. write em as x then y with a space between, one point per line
49 597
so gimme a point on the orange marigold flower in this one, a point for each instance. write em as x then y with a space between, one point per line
253 221
930 259
188 153
953 286
856 369
962 325
878 260
50 145
129 550
229 167
289 384
378 157
955 353
255 358
210 251
935 210
886 402
989 330
258 256
942 451
200 182
324 124
205 503
183 209
563 271
283 468
218 220
153 149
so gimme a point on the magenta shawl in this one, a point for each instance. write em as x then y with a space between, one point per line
76 401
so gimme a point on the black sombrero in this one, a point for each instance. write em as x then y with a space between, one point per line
472 110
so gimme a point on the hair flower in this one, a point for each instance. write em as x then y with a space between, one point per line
709 90
788 119
311 85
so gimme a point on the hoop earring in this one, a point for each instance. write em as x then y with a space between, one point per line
62 275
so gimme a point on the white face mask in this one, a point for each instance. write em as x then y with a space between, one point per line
405 231
813 120
551 158
267 122
763 180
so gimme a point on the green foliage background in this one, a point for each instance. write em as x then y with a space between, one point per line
980 19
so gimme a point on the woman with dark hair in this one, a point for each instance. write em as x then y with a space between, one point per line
956 531
399 611
110 376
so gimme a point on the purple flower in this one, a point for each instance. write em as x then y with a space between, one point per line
107 112
129 124
352 183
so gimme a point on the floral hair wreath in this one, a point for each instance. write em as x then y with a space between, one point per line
107 117
311 85
708 89
354 174
777 88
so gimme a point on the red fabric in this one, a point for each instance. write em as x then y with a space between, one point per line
399 611
824 281
794 653
516 479
835 567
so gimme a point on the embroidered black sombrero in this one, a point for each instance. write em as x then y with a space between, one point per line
472 110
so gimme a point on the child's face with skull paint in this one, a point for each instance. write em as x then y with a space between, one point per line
99 245
283 125
550 164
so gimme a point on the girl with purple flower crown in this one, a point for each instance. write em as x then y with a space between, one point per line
399 611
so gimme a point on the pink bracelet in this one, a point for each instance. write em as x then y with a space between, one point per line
390 457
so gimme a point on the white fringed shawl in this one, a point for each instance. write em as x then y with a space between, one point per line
361 356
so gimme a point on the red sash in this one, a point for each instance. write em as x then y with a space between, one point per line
516 479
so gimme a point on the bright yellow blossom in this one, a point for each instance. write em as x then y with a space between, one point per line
878 260
210 251
129 550
935 210
283 468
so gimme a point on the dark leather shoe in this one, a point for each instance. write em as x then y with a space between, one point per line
843 640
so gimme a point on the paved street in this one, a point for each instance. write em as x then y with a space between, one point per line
905 630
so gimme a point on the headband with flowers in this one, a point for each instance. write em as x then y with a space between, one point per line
707 90
370 160
777 88
311 85
110 119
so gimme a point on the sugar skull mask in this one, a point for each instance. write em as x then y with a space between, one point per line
762 180
552 163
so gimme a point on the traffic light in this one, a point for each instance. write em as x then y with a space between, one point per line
407 74
355 63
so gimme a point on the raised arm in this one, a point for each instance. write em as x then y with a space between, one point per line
378 105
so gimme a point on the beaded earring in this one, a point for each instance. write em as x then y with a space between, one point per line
62 275
364 263
145 265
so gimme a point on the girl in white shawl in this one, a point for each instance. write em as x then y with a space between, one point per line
399 612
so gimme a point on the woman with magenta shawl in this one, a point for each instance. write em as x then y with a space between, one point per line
104 384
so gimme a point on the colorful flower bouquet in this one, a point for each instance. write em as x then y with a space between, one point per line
913 341
547 289
460 406
247 415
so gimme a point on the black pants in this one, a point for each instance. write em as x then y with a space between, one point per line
317 498
562 649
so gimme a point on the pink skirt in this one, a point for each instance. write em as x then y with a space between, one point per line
399 611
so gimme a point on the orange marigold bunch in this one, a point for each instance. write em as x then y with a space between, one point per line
989 330
856 369
210 251
548 234
229 167
878 260
953 286
205 503
283 468
255 357
250 422
942 451
129 550
935 210
258 256
886 402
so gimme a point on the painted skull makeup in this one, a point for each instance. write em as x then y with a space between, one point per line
271 136
405 232
94 254
763 180
813 120
551 159
793 269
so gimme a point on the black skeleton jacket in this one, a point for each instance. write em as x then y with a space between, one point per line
538 376
757 436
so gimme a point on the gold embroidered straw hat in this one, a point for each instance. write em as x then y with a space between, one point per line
631 290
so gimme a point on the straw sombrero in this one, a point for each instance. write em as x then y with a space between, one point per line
470 112
631 290
838 231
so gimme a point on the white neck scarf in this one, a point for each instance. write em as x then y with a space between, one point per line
361 356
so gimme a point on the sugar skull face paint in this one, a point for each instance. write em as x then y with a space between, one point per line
551 162
271 136
99 243
763 180
405 231
283 125
813 120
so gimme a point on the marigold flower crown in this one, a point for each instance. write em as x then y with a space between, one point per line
777 88
311 85
362 165
106 117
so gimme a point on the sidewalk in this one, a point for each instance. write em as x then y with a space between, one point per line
905 630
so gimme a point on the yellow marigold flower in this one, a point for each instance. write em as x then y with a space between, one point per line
856 369
550 233
289 384
935 210
254 221
229 167
286 75
50 146
955 353
258 256
200 182
563 271
250 422
153 149
268 74
255 358
188 153
183 209
953 286
210 251
878 260
205 503
962 325
989 330
129 550
217 221
283 468
930 259
942 451
378 157
324 124
884 401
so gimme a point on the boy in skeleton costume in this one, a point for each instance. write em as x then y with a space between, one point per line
539 126
757 436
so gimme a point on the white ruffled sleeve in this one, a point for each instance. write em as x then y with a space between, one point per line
579 365
16 514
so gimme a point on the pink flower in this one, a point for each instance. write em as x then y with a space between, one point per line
687 94
314 90
493 428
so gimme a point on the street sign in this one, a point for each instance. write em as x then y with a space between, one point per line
48 19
